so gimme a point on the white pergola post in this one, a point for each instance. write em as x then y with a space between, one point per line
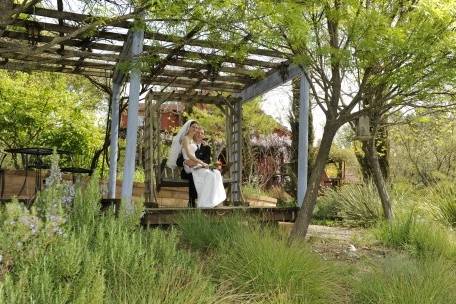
117 81
303 145
132 124
114 139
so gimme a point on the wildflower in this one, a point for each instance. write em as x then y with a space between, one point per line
55 176
69 194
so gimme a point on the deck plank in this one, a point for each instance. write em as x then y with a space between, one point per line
169 216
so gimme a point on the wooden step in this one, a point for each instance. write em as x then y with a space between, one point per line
172 194
167 216
172 203
175 189
261 201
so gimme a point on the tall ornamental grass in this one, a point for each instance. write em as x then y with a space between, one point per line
356 205
256 262
441 202
401 280
201 232
417 235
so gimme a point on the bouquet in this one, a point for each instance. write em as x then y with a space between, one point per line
216 165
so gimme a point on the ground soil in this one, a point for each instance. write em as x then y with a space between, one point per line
341 243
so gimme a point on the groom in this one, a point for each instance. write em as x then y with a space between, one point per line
203 152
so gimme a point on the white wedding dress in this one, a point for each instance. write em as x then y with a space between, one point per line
208 183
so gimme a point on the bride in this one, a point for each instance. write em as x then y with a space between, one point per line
208 183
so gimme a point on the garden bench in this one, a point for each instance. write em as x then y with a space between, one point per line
172 177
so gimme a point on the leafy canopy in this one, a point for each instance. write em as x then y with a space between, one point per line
45 109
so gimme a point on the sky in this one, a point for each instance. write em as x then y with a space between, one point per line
277 103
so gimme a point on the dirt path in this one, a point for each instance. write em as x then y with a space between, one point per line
335 233
325 232
340 243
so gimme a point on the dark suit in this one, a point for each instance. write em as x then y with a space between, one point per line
203 153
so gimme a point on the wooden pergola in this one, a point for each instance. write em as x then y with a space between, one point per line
180 68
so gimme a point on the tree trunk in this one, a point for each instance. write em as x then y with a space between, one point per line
379 180
305 213
382 147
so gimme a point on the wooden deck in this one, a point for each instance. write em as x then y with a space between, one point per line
168 216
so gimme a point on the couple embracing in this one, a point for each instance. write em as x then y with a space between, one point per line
208 183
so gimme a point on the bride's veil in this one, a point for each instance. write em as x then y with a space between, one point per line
176 145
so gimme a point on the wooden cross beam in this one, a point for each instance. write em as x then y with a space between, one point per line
176 96
274 79
37 11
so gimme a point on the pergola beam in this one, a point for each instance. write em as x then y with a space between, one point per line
172 78
32 66
109 60
274 79
191 84
59 61
56 53
148 48
198 75
148 34
175 96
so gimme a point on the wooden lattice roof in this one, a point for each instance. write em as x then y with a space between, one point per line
60 41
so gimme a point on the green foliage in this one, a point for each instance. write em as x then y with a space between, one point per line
441 201
417 235
255 121
45 109
357 205
259 264
423 150
202 232
252 189
401 280
96 259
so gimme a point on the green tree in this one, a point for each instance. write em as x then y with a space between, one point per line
361 58
424 147
46 109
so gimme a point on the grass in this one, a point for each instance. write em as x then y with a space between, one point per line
59 253
401 280
441 201
253 190
357 205
419 236
201 232
256 262
96 259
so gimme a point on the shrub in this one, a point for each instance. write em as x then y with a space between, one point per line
203 232
402 280
263 265
417 235
441 201
253 189
95 259
255 263
357 205
327 207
